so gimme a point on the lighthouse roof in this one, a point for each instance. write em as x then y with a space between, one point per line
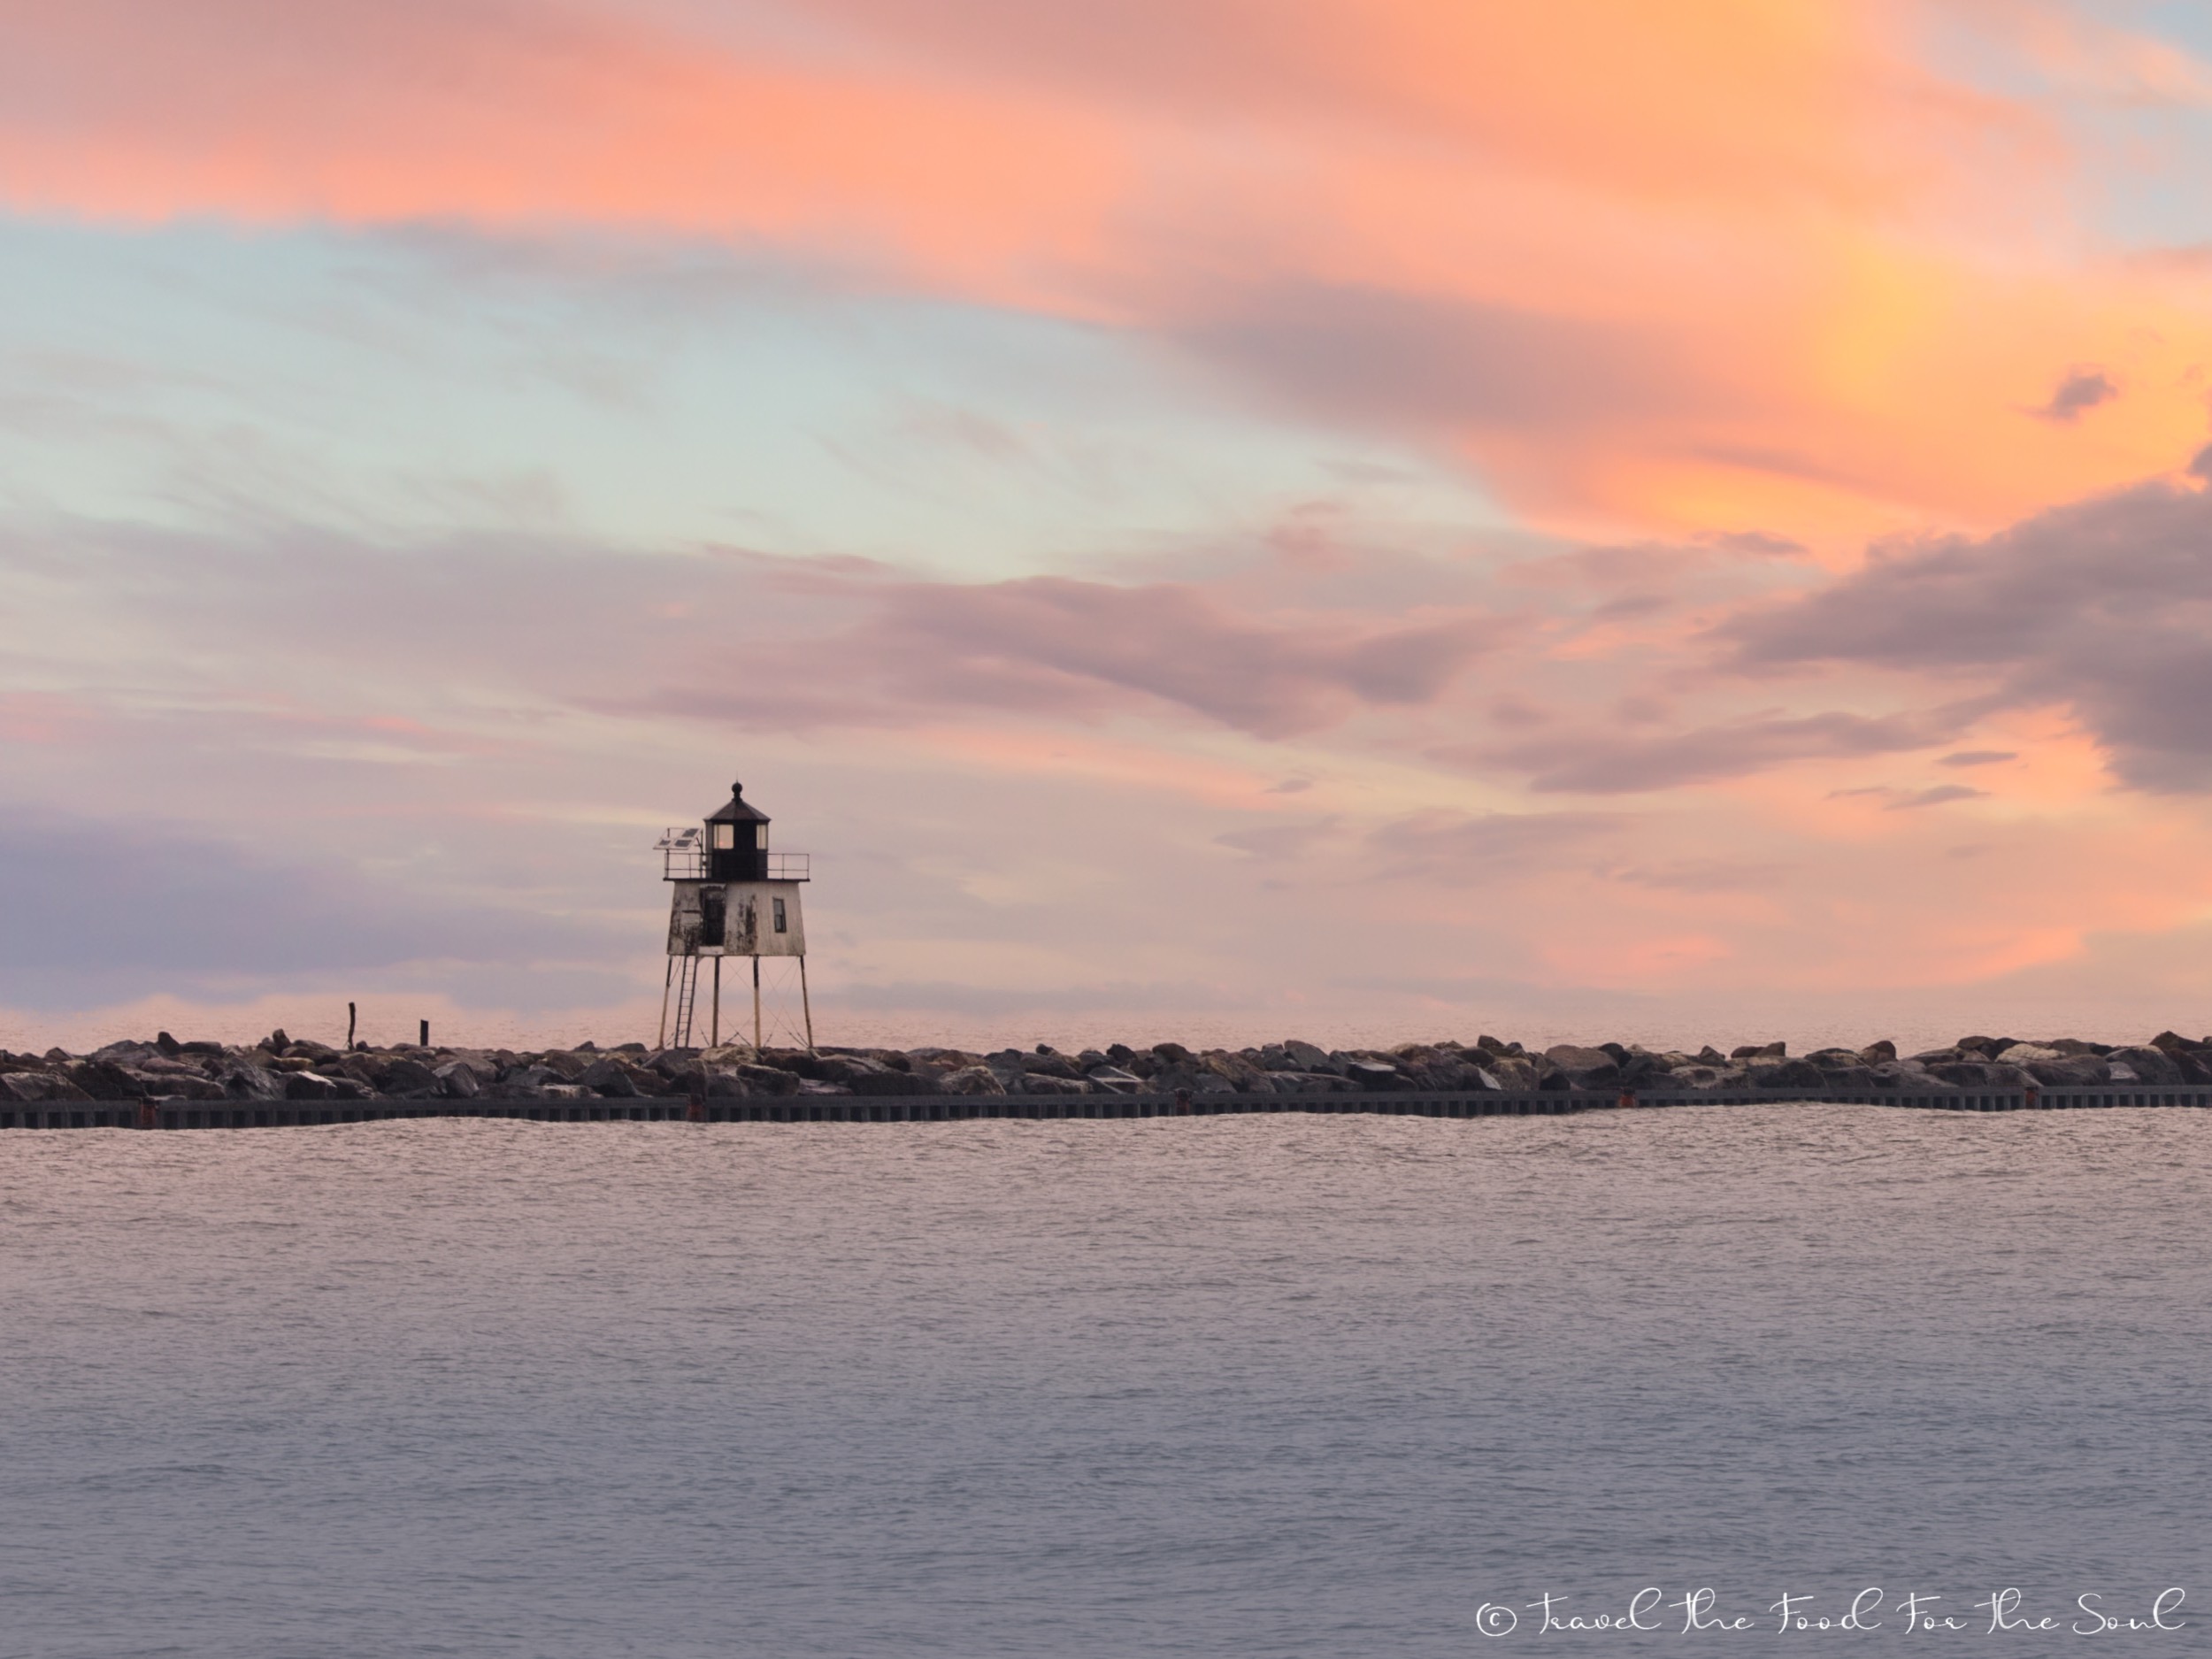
737 810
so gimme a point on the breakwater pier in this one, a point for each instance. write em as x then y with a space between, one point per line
280 1083
171 1114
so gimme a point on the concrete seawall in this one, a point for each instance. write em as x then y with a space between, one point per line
183 1115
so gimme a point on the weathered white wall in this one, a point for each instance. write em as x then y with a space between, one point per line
749 927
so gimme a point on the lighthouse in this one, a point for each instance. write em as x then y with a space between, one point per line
729 896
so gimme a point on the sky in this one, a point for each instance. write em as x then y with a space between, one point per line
1368 519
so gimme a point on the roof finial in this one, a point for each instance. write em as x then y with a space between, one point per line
737 791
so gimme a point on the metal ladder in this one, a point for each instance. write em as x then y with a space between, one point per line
687 995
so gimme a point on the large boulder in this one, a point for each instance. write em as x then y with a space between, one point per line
108 1080
852 1069
256 1082
1515 1073
458 1080
401 1075
1195 1079
568 1063
1245 1076
608 1079
887 1081
1304 1056
2070 1070
970 1080
1849 1080
1311 1083
1787 1074
1909 1076
38 1086
2143 1064
1046 1083
768 1079
1699 1076
317 1086
1376 1076
2140 1062
1585 1068
182 1085
1981 1074
1048 1063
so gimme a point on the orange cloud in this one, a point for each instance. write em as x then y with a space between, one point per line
1712 265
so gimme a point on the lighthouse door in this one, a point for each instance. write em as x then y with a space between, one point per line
714 915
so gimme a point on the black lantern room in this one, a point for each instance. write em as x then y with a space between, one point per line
737 840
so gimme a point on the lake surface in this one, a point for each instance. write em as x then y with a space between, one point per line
1280 1386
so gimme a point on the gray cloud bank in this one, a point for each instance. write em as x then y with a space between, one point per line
101 912
2103 607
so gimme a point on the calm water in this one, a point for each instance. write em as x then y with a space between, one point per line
1267 1387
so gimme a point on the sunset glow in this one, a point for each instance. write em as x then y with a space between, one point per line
1410 510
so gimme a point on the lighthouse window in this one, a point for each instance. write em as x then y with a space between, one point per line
725 837
782 925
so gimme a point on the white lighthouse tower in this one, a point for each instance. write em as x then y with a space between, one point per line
730 897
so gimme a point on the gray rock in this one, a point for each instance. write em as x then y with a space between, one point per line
1849 1080
38 1086
1051 1065
1306 1057
1311 1083
107 1079
971 1079
887 1081
1376 1076
609 1078
1698 1076
2144 1064
1585 1068
458 1080
851 1069
2072 1070
1515 1073
183 1085
1047 1083
1787 1074
768 1079
1878 1053
1981 1074
256 1083
1194 1077
1909 1076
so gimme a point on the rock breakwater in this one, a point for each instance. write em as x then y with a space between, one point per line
279 1067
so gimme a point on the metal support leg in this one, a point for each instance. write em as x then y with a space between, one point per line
756 1001
806 1005
714 1024
667 979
